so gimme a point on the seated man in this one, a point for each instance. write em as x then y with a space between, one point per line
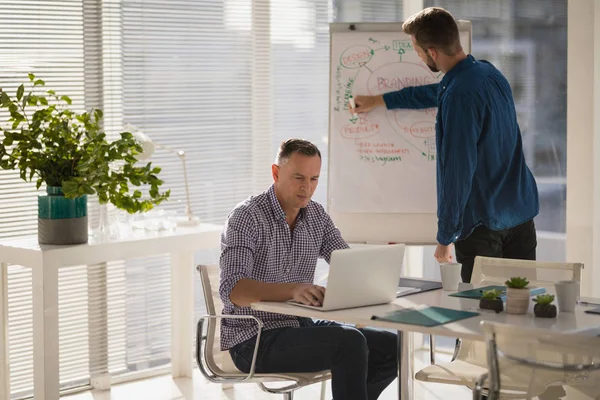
270 245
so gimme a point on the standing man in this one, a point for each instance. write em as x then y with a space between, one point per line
486 195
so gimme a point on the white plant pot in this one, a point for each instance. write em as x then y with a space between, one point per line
517 300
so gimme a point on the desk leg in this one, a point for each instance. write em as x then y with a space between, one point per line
4 362
405 366
97 277
46 376
182 314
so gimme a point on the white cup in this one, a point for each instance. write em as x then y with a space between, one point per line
567 293
450 276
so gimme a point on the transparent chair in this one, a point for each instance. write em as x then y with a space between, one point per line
218 367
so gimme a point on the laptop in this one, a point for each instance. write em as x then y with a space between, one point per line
362 276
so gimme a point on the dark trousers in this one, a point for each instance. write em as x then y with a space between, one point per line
363 362
519 243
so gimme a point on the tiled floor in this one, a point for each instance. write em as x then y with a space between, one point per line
198 388
166 388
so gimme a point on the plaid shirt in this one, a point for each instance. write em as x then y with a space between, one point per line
256 243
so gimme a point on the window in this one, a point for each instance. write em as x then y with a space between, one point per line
527 41
226 81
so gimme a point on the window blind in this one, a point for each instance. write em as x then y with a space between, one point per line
223 80
46 38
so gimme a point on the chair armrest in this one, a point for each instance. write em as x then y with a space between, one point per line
432 349
202 339
457 346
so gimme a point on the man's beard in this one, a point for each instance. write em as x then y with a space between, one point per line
431 64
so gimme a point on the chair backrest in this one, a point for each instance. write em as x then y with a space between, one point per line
218 361
538 357
495 271
489 271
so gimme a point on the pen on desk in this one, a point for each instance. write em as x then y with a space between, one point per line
587 303
352 104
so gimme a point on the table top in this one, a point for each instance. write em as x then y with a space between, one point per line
28 252
575 322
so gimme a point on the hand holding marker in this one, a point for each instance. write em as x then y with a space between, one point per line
352 105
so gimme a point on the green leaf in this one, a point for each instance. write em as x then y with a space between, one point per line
103 198
67 99
43 101
88 189
5 98
70 187
39 183
98 115
39 82
17 116
51 92
20 92
31 76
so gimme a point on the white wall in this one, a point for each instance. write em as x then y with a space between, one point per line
583 135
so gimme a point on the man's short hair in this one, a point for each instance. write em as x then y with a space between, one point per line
291 146
436 28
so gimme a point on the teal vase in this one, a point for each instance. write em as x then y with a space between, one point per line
62 221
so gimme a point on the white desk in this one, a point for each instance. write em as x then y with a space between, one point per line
45 262
465 329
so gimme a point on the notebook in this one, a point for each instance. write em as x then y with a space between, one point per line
477 293
408 286
593 311
429 316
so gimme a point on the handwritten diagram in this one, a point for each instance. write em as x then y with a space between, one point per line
381 68
382 151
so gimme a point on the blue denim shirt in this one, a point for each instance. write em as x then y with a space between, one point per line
482 177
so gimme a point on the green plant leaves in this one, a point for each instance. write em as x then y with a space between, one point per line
70 187
517 283
5 100
544 299
63 147
20 92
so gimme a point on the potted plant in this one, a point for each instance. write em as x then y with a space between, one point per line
68 152
544 307
490 300
517 295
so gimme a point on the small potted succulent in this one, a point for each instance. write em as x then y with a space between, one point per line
517 295
490 300
544 307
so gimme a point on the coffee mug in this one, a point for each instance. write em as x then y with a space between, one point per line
450 276
567 293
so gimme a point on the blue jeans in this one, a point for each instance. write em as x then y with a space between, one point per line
363 362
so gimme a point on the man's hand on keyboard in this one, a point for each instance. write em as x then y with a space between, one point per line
309 294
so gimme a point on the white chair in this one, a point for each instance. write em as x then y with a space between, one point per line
217 366
469 361
539 359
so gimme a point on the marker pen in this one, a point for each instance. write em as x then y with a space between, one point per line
352 104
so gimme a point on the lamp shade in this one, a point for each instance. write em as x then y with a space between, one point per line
148 146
